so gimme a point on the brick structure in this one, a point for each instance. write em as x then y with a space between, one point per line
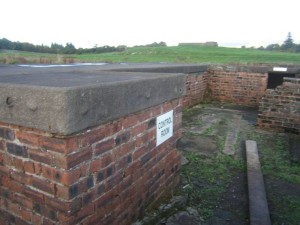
239 87
108 172
279 109
78 145
196 86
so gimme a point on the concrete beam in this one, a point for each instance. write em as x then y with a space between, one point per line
258 206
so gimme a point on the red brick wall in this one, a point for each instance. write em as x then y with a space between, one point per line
106 175
243 88
196 85
280 108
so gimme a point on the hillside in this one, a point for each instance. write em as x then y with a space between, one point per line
178 54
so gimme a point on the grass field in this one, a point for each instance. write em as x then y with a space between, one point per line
181 54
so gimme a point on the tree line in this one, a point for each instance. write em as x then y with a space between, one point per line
287 46
55 48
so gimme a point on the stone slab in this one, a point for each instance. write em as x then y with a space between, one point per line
232 135
258 206
68 100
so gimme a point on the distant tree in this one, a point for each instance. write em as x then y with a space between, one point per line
56 48
261 48
121 48
69 49
155 44
297 48
5 44
273 47
288 44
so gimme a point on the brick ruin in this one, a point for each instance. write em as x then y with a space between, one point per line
279 109
96 160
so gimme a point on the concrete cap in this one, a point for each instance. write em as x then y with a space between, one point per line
68 100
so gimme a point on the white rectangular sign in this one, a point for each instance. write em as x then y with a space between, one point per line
164 127
280 69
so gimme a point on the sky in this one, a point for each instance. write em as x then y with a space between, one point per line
86 23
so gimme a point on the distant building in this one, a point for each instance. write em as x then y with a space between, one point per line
208 44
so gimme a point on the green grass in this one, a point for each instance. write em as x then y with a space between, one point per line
204 180
277 167
178 54
18 57
274 156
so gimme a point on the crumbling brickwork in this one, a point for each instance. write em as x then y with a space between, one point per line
245 88
280 108
105 175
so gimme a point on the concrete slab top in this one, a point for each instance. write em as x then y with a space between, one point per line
66 100
74 78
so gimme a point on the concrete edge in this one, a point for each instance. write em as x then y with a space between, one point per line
258 206
66 110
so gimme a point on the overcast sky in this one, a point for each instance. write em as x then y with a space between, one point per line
86 23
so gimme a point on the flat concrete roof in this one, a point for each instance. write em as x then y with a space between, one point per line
66 100
90 67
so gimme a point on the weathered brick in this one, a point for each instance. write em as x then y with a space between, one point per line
106 160
103 201
76 219
103 146
26 215
124 162
36 219
140 128
20 177
66 207
17 150
43 185
113 181
59 145
95 165
40 156
100 176
22 200
2 145
18 164
130 121
92 136
63 177
122 138
110 171
29 167
139 152
28 138
34 195
69 192
72 160
7 133
14 208
124 150
145 158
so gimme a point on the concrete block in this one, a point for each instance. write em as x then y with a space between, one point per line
66 101
258 206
